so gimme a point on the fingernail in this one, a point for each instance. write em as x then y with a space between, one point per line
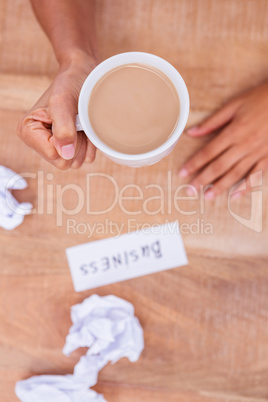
183 172
67 151
190 191
209 195
192 130
236 195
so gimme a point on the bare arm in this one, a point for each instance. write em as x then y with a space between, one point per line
70 26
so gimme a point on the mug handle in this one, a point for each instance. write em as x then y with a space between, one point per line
78 124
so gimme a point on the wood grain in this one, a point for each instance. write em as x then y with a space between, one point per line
205 325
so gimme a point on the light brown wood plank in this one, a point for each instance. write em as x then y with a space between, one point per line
205 325
20 92
205 225
220 45
131 394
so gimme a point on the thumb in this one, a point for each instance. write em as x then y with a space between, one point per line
216 120
62 112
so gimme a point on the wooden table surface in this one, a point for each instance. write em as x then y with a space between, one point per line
206 324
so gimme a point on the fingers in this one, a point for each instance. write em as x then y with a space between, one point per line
209 152
36 135
216 120
62 111
81 153
49 128
238 151
241 170
219 166
35 131
252 179
227 181
90 153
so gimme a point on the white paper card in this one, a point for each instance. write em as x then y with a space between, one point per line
127 256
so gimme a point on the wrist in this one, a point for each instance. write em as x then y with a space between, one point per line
77 58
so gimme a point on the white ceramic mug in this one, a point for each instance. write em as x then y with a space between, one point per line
83 122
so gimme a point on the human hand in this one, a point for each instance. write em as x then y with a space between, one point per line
238 150
57 108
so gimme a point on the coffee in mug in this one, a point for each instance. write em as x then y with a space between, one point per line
134 108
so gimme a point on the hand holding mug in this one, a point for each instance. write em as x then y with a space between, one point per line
57 108
51 126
